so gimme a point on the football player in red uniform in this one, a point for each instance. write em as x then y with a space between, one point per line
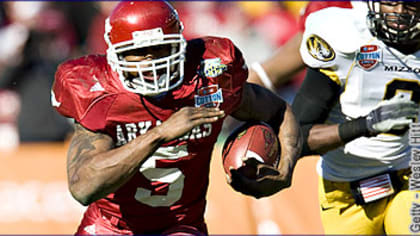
147 117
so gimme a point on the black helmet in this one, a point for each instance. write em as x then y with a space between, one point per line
395 28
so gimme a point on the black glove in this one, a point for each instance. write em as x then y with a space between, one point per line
268 180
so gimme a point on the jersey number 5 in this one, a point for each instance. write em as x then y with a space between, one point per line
172 176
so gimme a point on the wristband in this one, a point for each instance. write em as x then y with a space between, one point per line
353 129
263 75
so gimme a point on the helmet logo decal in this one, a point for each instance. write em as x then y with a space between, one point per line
210 96
368 56
145 36
319 49
213 67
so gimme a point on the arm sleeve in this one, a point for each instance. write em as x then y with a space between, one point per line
313 102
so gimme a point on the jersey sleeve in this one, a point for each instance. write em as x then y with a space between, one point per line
234 70
330 41
76 93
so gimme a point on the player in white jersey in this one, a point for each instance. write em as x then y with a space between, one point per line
355 106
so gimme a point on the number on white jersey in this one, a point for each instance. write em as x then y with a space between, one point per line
406 87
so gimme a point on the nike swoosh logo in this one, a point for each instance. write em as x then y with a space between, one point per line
326 208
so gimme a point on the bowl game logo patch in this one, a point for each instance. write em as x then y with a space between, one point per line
319 49
210 96
368 56
213 67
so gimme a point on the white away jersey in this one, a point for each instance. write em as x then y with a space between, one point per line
338 42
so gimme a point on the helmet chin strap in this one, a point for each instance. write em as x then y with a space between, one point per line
159 96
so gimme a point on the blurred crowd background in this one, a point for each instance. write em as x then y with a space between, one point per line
36 36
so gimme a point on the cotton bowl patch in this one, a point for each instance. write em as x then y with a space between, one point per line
210 96
369 56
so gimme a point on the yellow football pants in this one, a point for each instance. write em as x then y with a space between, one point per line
395 214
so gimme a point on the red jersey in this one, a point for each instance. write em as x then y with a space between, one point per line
171 185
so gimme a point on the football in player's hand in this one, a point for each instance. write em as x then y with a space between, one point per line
249 144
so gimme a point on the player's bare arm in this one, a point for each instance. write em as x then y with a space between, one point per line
318 94
395 113
280 67
260 104
323 138
95 168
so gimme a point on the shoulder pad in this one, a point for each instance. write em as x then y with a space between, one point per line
223 63
314 6
78 85
222 48
330 33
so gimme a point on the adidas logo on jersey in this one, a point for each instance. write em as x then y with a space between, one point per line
90 229
96 87
54 101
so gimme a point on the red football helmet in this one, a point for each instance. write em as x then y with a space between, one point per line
134 25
